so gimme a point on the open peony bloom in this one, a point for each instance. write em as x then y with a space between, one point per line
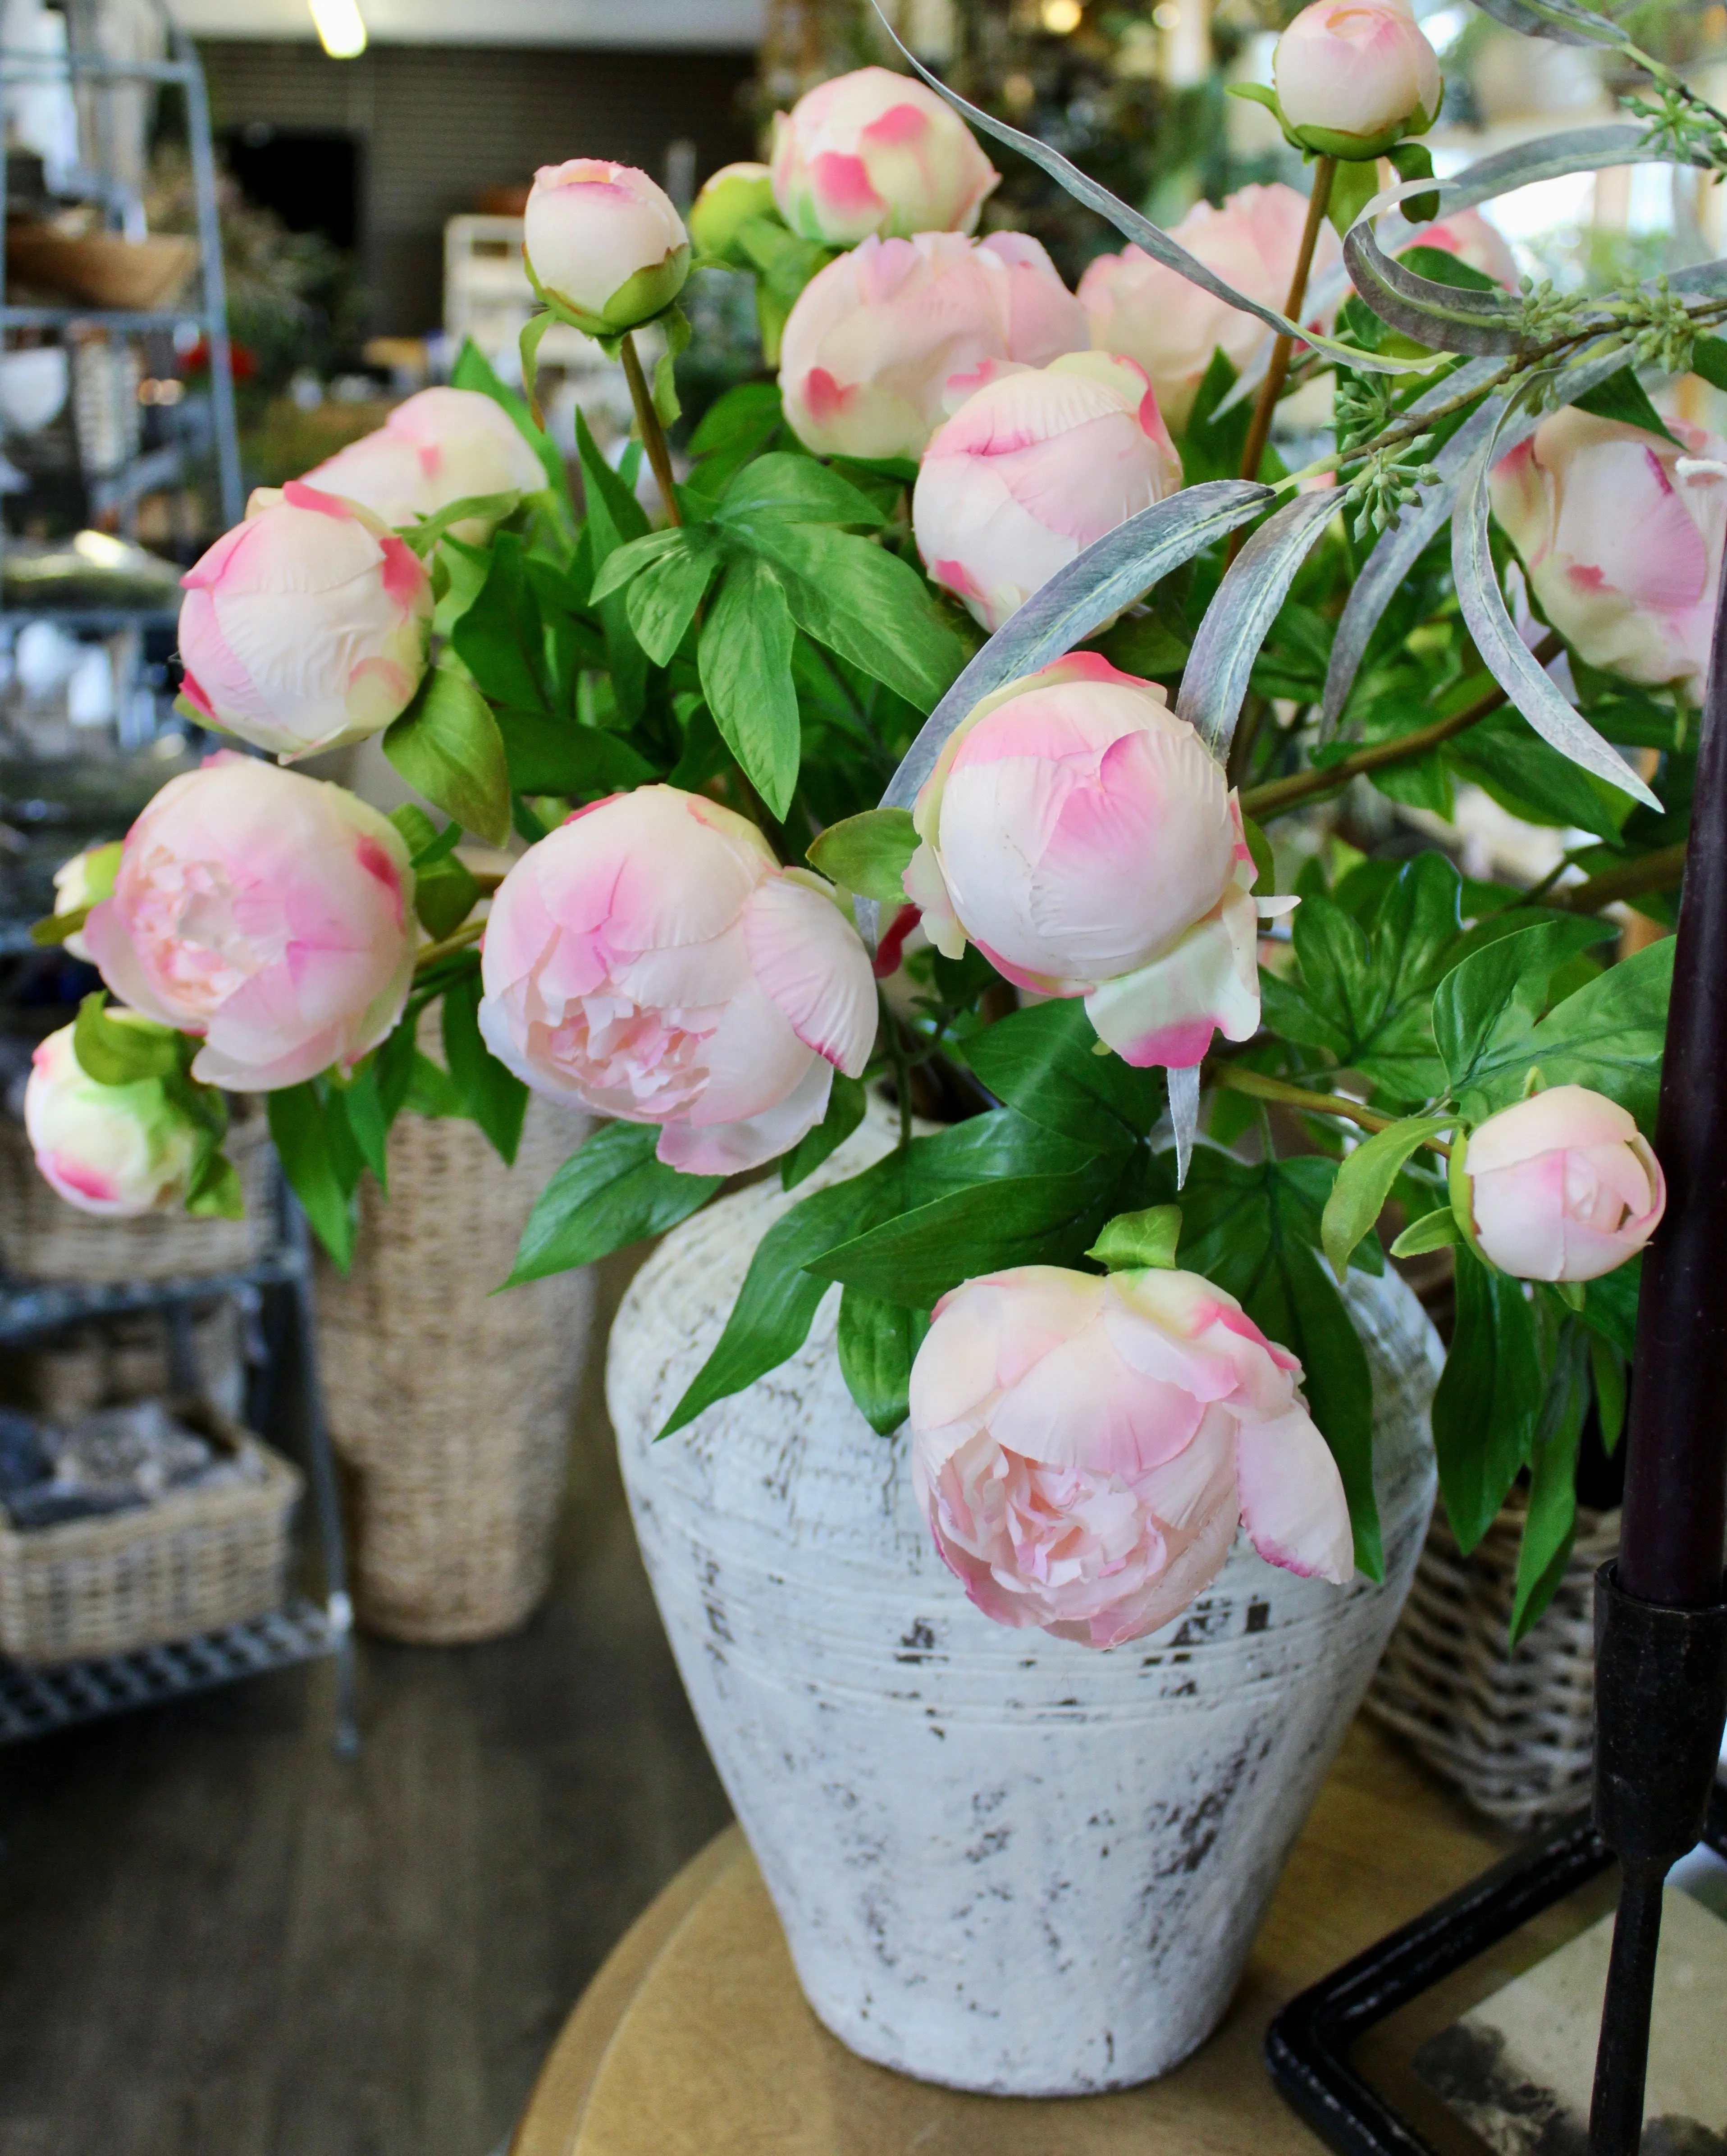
1030 470
876 152
1355 76
1475 240
116 1151
1083 1450
1086 841
651 959
606 242
879 338
305 627
268 914
1561 1188
1622 547
1152 315
439 447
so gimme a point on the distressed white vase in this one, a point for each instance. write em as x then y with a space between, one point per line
1004 1862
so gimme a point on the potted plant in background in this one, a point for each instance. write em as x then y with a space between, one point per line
1132 1296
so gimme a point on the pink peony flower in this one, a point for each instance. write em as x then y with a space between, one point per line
1355 76
1030 470
651 959
1083 1450
116 1151
439 447
305 627
877 338
1622 544
1086 841
872 152
1152 315
1561 1187
606 242
1473 240
268 914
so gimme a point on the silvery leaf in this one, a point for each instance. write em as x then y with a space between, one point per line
1184 1115
1215 678
1439 316
1508 658
1562 22
1129 221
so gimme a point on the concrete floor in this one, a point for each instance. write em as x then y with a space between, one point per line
216 1939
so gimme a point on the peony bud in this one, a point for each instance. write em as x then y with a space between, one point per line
1030 470
874 153
117 1151
1355 76
652 960
270 914
81 883
880 337
439 447
1561 1188
1087 841
1475 240
605 243
729 198
305 627
1152 315
1083 1450
1622 545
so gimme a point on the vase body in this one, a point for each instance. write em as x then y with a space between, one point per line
1004 1862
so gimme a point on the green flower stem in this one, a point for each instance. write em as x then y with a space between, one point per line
430 953
1279 796
1658 871
1259 433
1234 1078
654 438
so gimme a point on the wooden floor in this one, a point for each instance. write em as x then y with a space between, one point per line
218 1940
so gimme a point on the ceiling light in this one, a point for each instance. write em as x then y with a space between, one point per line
340 31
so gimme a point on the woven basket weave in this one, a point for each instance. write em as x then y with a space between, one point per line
42 1238
1515 1732
450 1404
195 1561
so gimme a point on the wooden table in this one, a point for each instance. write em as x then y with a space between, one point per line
694 2040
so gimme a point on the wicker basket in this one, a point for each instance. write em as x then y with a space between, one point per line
450 1404
1514 1732
42 1238
195 1561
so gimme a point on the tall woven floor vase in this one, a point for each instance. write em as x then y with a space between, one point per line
451 1405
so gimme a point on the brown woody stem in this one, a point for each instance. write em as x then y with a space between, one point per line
1658 871
1259 433
652 433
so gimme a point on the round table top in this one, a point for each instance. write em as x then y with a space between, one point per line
694 2040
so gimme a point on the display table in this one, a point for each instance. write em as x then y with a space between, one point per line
694 2040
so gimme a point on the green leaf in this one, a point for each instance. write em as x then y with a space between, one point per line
1364 1183
1132 1240
1609 1036
1623 398
744 660
777 1303
431 1092
662 601
1339 1386
1708 358
781 488
492 1097
664 392
866 604
1434 1231
1551 1523
447 746
614 517
846 1103
1484 1010
501 638
1484 1409
363 1110
612 1191
1610 1306
561 756
1043 1063
444 888
1412 161
215 1192
492 508
878 1343
116 1050
868 854
1607 1368
1519 771
299 1134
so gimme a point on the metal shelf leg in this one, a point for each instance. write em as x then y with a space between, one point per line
320 1464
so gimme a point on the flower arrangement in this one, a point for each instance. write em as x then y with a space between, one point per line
935 732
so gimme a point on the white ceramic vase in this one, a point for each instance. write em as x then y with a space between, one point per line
1004 1862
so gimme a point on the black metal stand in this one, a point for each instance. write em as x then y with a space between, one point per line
1307 2046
